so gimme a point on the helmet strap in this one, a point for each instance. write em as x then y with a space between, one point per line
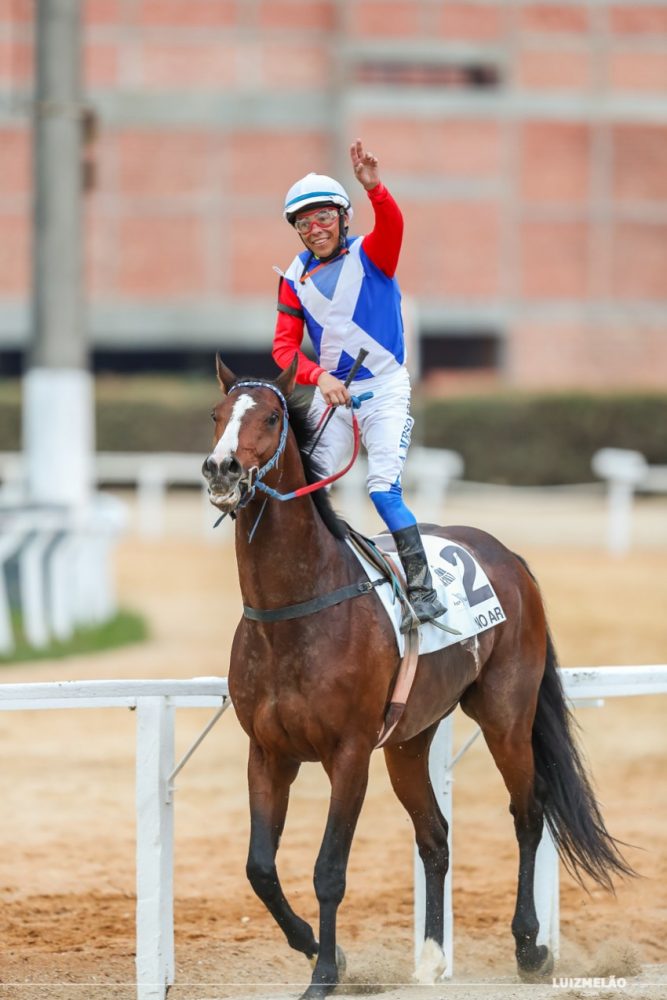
342 229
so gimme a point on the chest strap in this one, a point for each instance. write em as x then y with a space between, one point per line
291 611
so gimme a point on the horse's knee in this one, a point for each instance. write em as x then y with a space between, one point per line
329 881
434 856
263 877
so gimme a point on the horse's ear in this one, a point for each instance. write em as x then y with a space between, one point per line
287 378
226 376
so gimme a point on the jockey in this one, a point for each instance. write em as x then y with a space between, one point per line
343 288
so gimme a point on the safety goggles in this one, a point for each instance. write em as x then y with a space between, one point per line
323 217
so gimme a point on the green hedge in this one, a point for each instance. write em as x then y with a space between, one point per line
542 439
522 439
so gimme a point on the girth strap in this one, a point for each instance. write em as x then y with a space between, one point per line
310 607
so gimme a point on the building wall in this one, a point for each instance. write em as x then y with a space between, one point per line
526 143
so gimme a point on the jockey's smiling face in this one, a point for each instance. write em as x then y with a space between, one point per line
319 229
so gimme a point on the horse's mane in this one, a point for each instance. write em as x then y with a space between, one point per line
304 432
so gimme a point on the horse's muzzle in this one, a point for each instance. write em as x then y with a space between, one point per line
225 482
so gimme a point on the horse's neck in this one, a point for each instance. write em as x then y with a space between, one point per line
292 555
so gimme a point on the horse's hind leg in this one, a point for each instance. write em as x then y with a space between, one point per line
269 781
514 758
407 764
512 750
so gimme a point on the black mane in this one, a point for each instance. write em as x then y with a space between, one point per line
304 432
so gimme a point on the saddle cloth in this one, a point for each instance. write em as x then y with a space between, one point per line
462 586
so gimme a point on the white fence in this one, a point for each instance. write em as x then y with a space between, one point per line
62 562
428 474
626 472
155 703
151 473
156 770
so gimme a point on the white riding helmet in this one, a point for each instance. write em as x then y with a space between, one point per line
315 189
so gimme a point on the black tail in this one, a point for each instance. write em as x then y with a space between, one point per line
570 809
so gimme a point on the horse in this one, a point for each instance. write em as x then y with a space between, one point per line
314 685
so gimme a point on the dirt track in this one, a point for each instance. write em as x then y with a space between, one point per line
67 836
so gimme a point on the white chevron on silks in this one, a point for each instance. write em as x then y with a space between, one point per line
339 331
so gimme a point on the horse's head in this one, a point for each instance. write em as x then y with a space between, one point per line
250 427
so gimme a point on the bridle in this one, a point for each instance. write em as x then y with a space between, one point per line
253 478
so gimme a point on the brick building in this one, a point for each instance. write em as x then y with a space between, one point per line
526 143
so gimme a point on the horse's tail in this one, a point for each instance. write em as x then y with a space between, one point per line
570 807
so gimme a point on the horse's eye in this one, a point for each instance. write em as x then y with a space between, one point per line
273 419
213 415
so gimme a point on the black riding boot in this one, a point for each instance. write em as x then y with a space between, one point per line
421 594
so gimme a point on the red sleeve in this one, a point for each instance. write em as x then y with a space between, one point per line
289 334
383 245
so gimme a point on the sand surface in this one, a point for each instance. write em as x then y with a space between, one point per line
67 829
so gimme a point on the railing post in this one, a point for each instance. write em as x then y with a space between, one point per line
151 491
155 848
6 630
546 886
441 778
33 589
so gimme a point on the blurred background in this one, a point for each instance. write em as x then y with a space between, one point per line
140 219
526 143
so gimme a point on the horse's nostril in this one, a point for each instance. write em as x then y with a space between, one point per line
231 467
209 467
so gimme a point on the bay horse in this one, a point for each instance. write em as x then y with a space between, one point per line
315 688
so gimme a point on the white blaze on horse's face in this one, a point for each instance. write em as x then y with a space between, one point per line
229 439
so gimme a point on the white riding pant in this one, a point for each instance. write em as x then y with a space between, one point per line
385 426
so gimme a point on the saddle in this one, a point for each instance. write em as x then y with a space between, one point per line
383 563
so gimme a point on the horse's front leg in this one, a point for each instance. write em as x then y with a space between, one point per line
348 773
269 781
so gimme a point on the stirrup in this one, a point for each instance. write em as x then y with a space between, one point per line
445 628
407 624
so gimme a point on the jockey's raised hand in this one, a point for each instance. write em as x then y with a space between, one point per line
365 165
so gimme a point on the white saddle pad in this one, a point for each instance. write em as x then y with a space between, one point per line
462 586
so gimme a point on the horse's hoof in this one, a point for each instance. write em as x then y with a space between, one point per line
318 991
341 963
542 966
432 964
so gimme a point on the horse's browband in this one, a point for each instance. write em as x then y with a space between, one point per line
310 607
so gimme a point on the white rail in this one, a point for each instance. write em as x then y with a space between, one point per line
625 471
583 686
151 473
155 703
61 559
